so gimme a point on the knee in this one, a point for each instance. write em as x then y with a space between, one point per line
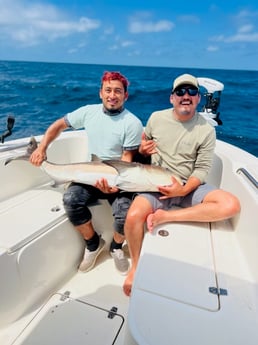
71 199
229 205
135 215
75 205
233 206
120 208
75 196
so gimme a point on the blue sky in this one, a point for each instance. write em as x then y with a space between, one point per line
199 34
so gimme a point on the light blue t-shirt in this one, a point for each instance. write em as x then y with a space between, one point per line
108 135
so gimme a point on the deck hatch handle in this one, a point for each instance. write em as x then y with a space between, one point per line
112 312
220 292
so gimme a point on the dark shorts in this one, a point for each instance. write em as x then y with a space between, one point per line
78 197
193 198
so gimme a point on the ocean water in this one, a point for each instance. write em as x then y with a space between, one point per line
38 93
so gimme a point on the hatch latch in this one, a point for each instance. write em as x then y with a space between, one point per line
112 312
220 292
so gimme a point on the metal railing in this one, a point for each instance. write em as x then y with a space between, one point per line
248 176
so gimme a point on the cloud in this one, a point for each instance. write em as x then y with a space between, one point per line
30 23
212 48
244 14
127 43
137 27
245 30
121 44
240 36
189 19
141 23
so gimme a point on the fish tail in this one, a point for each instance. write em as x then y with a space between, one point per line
32 145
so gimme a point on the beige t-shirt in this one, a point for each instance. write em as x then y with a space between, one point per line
185 148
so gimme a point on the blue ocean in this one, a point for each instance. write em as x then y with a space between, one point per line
38 93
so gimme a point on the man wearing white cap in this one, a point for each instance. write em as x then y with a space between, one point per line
181 140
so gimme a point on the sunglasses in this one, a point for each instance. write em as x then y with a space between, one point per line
181 92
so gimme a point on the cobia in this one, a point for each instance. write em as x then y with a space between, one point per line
131 177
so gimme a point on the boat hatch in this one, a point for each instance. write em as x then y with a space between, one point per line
28 216
64 320
177 264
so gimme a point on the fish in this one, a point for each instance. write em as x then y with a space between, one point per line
127 176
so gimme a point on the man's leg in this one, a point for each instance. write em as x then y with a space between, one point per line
134 233
120 207
216 205
75 199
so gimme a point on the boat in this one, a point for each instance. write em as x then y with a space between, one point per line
196 283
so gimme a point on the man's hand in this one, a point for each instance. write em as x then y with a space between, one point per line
102 185
147 147
173 190
37 157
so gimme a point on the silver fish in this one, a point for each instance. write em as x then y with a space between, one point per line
131 177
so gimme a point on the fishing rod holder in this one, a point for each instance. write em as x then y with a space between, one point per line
8 132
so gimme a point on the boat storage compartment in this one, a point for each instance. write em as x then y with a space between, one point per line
181 257
63 320
36 231
28 215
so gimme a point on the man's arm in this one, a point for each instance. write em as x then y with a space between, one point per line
52 132
127 156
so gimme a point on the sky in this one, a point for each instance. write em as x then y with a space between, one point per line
197 34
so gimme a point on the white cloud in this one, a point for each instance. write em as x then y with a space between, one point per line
127 43
137 26
109 30
238 37
121 44
114 47
246 28
245 33
189 19
31 23
244 14
212 48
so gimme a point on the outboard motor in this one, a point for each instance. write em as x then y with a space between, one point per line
10 124
210 109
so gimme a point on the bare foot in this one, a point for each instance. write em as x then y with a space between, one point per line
156 218
127 287
149 221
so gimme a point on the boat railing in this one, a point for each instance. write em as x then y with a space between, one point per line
248 176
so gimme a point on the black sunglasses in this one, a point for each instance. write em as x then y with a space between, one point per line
181 92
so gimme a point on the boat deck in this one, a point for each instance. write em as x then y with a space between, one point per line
76 311
198 284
